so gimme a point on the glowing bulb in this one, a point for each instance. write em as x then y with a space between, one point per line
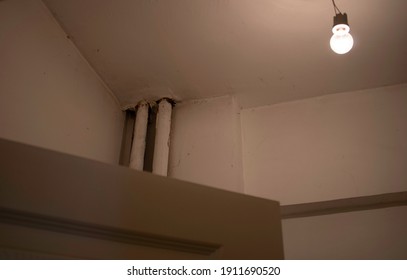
341 41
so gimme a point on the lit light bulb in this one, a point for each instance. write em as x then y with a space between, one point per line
341 41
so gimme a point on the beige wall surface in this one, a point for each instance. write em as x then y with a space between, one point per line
336 146
49 95
206 143
373 234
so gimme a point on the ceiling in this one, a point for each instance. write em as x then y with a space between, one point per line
262 51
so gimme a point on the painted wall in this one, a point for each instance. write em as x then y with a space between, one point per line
336 146
49 95
373 234
206 143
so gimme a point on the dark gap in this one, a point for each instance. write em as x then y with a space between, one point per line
127 137
150 140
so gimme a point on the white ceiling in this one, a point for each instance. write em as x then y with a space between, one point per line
263 51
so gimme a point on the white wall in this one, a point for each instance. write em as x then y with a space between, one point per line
206 143
373 234
336 146
49 95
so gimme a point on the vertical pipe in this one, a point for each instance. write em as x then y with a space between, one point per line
162 138
139 137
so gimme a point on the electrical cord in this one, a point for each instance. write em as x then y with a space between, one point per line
336 9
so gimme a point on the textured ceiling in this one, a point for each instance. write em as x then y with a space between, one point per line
262 51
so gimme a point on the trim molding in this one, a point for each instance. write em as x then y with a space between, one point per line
344 205
32 220
18 254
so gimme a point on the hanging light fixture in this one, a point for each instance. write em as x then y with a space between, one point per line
341 41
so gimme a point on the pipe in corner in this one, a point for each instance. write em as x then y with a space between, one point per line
162 137
139 138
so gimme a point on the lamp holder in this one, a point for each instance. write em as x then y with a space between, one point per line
341 19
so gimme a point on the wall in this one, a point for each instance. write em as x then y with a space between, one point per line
206 143
49 95
373 234
336 146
